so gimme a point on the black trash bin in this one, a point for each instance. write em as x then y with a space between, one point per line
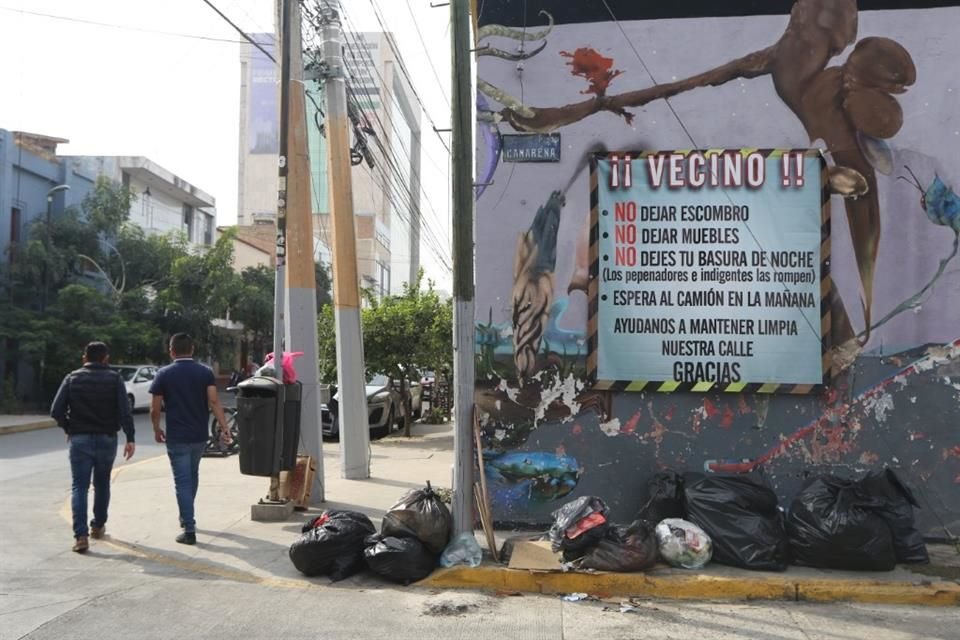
260 408
291 425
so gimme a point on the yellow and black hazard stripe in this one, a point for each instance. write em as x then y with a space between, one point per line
669 386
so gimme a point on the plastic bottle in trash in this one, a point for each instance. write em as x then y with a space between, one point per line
463 549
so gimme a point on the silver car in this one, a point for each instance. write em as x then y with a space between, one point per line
384 408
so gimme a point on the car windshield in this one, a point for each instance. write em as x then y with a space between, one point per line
126 373
378 380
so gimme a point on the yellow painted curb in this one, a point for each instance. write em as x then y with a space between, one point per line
696 587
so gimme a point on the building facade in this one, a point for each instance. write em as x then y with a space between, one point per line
162 201
385 197
37 183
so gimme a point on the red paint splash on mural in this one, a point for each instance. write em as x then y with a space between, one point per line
727 420
631 425
597 69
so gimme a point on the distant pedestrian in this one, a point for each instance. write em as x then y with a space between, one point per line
188 390
91 407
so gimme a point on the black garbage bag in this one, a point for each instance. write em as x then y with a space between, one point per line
897 507
402 560
578 525
664 497
834 523
420 514
332 544
623 548
740 514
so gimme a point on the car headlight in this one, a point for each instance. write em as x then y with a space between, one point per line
380 396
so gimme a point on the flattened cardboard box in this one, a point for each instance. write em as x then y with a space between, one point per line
535 556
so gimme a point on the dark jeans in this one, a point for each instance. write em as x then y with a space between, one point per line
185 463
91 453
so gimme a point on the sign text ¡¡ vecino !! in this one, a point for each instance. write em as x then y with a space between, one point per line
695 170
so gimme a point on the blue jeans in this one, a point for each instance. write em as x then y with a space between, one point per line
185 463
91 453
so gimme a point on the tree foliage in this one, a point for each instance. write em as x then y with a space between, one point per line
402 334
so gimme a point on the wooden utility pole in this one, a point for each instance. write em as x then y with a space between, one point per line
462 125
301 284
354 425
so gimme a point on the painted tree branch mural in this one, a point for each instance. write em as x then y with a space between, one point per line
850 107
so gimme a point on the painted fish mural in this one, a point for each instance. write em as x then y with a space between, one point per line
536 476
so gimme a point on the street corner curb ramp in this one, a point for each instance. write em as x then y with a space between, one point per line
699 587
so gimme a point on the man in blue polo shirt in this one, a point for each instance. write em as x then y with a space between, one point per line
189 391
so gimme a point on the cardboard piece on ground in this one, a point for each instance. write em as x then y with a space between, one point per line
296 484
535 556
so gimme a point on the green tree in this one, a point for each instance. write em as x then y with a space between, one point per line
254 307
405 332
324 291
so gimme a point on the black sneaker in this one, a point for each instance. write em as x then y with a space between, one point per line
187 537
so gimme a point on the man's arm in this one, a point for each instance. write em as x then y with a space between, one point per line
214 401
155 404
126 419
58 410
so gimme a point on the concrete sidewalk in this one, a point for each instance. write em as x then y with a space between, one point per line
144 524
27 422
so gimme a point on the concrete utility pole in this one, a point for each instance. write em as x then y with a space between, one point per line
301 284
461 106
354 426
279 297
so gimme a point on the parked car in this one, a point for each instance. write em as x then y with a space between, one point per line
427 380
384 407
137 378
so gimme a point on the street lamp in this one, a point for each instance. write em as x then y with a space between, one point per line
50 194
46 262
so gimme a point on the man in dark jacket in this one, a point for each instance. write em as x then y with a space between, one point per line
189 391
91 407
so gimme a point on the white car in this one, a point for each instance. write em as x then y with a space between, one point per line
137 378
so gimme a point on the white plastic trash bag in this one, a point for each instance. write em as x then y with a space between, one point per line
683 544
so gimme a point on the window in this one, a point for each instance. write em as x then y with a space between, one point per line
208 231
188 221
383 275
14 231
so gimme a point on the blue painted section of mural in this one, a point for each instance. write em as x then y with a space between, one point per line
868 90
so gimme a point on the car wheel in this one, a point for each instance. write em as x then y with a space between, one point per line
132 402
384 431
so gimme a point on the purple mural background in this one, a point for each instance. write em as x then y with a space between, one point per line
548 439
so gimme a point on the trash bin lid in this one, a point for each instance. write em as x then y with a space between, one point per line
259 383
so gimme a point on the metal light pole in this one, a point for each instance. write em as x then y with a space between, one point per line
46 261
46 243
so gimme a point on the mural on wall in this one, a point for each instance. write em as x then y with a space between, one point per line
868 89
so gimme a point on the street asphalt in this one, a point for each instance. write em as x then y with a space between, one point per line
238 582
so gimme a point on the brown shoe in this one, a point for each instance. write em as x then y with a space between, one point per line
97 532
81 544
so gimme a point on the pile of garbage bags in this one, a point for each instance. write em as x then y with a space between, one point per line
413 534
690 519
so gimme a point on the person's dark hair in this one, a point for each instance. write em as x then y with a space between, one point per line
96 352
181 344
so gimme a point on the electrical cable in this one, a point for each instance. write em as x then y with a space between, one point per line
120 26
240 31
